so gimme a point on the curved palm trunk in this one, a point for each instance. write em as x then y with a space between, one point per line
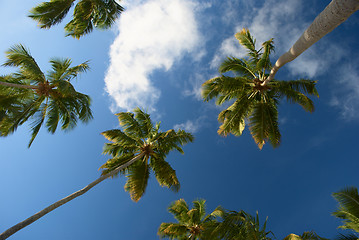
57 204
332 16
18 85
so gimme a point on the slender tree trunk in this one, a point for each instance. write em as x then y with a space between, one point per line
17 85
57 204
332 16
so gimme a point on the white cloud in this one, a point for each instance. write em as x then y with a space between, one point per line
285 23
346 95
191 126
152 35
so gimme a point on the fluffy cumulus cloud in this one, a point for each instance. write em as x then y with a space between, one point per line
153 35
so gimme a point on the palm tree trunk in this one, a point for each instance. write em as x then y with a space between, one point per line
332 16
17 85
57 204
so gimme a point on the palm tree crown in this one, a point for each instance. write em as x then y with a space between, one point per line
348 210
140 137
253 102
87 14
51 98
241 225
192 223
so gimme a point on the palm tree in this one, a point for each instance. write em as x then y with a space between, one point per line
141 137
332 16
87 15
30 94
241 225
254 103
136 149
348 211
192 223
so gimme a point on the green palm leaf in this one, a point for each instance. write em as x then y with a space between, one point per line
348 209
87 15
246 40
165 174
137 178
264 124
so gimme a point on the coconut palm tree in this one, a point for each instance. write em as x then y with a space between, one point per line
332 16
192 223
87 15
241 225
136 150
141 137
47 99
254 103
348 211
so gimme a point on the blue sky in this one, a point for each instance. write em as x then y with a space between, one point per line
156 57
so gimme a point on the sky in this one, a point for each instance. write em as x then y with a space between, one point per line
156 56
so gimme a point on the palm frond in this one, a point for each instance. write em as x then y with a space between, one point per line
264 61
130 125
348 209
165 174
19 56
179 210
172 230
36 125
48 14
144 121
137 178
246 40
115 162
264 124
240 67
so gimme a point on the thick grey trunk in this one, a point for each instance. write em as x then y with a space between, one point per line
57 204
333 15
17 85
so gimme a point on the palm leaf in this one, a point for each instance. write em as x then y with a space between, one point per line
165 174
19 56
51 13
246 40
264 61
238 66
172 230
137 178
264 124
348 210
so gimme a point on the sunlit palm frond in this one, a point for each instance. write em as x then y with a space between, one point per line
144 122
130 125
263 123
240 67
246 40
165 174
137 178
172 231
